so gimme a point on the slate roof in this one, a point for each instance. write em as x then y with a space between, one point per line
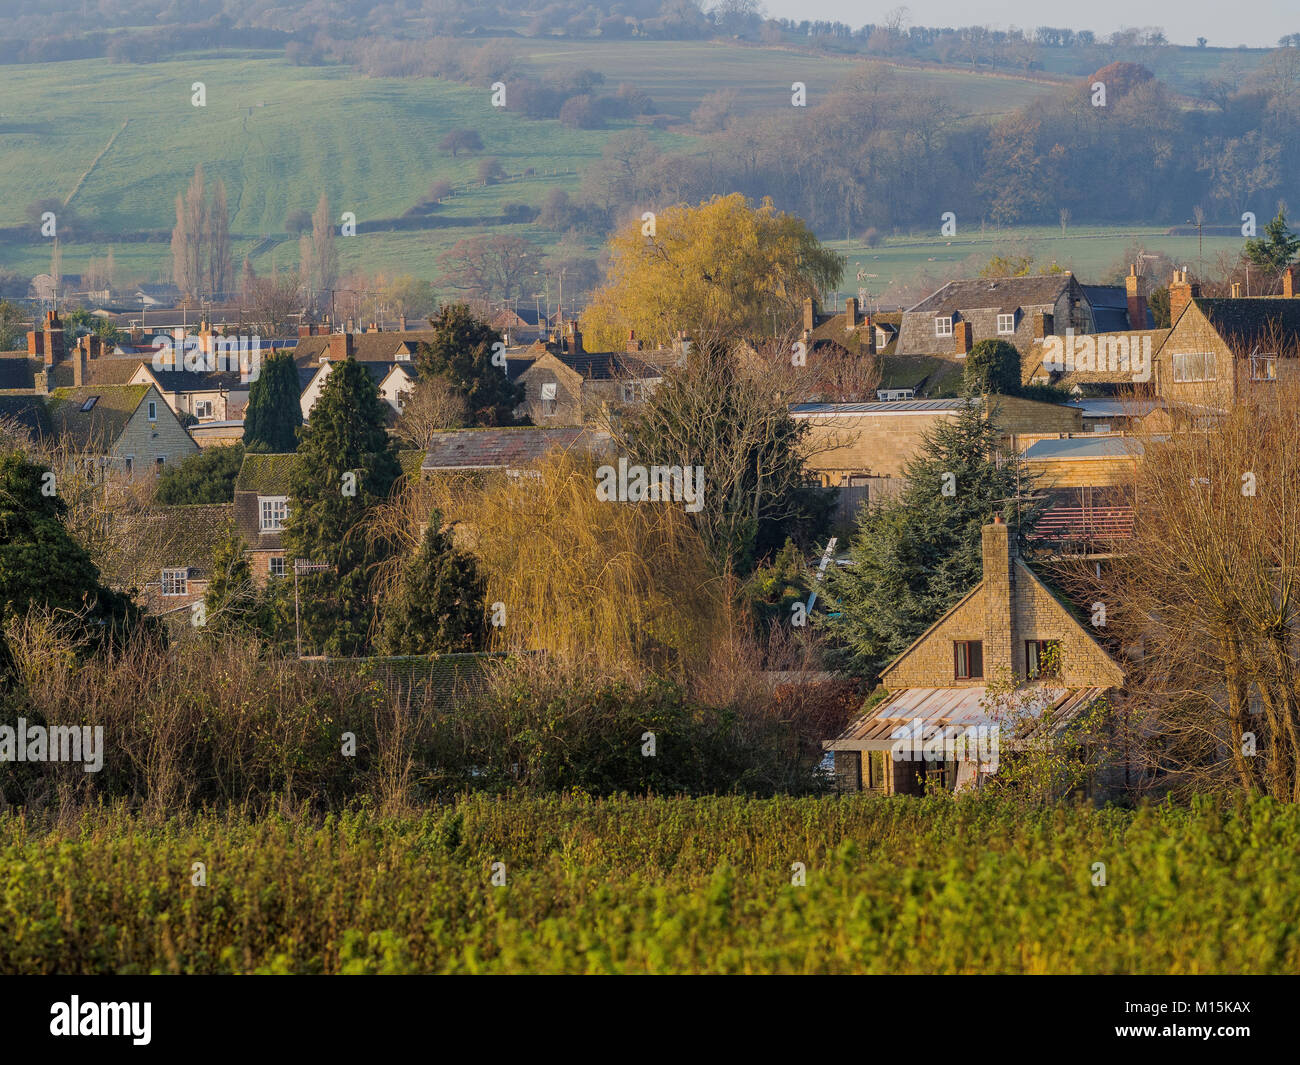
103 423
1249 320
368 347
1109 305
834 331
27 411
611 365
1001 294
19 371
511 448
198 381
183 536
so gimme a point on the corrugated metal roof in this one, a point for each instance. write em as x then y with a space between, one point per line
900 406
959 708
1083 447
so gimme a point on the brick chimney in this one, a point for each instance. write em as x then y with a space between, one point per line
342 346
632 343
869 335
574 343
1044 325
999 547
851 312
55 350
962 337
1288 282
401 323
1137 306
1181 293
79 375
809 314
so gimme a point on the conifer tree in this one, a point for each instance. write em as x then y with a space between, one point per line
274 411
461 353
437 606
916 554
346 463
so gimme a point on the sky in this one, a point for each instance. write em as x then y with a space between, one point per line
1258 23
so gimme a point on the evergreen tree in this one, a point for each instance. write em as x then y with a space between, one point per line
346 463
993 366
437 607
208 476
40 563
1277 248
274 411
916 554
461 352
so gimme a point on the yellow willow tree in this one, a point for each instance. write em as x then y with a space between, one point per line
618 586
719 271
1204 605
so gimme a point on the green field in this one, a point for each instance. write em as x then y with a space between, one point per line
660 886
1092 252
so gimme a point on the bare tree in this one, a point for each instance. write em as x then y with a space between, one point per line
433 405
272 301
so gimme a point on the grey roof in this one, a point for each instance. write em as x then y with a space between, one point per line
1003 294
1116 408
197 381
506 448
1084 447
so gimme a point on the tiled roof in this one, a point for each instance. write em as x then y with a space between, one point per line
610 365
834 330
27 411
479 449
200 381
368 347
19 371
101 425
1002 294
182 536
1247 321
269 475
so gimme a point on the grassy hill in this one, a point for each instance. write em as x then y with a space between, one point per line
121 140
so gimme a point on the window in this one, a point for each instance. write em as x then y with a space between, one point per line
276 568
90 402
943 327
968 659
1197 366
1042 658
175 582
1006 324
130 462
274 509
633 392
203 408
153 410
160 462
549 402
1263 367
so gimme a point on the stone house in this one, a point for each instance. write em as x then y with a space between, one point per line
129 427
569 388
950 321
1220 350
206 395
854 444
173 557
1010 629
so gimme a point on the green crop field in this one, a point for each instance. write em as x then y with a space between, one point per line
659 886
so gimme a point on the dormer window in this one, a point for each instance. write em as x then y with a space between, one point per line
273 512
1006 324
943 327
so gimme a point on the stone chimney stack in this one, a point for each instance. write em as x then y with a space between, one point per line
401 323
49 342
869 335
809 314
1181 293
851 312
574 344
999 548
962 337
1044 325
632 343
1137 305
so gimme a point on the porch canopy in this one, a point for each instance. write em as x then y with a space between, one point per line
922 714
